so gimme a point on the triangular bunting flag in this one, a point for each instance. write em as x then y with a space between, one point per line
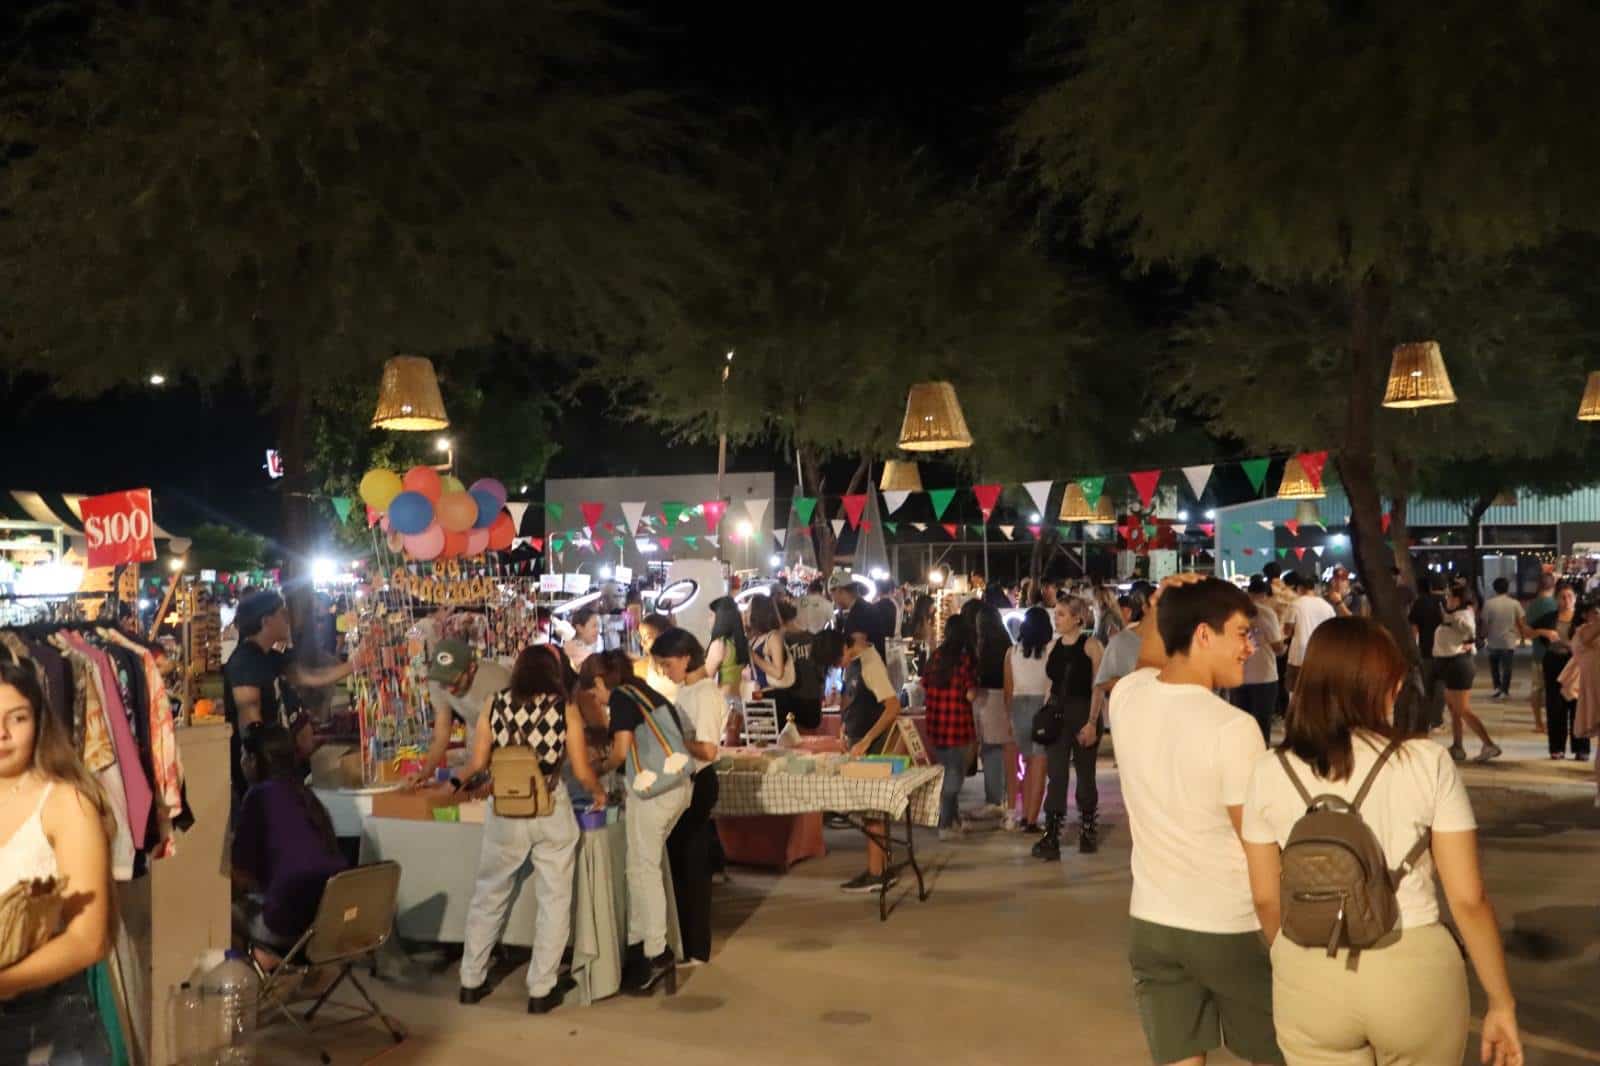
714 510
1065 530
553 514
866 525
1312 463
1007 530
557 542
1208 528
692 539
1283 553
1092 488
1292 526
1144 482
940 498
892 527
631 513
781 536
1256 471
838 527
1318 549
538 544
1387 518
592 510
672 511
1150 530
1249 551
1264 524
1299 553
1236 528
1036 530
920 527
757 509
1197 477
342 506
952 529
1039 492
517 509
373 517
853 506
665 542
803 507
711 539
988 496
1180 528
895 499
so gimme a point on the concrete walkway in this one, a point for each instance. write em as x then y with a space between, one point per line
1009 961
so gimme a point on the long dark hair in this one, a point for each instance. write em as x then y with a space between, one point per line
946 659
1037 629
54 754
764 617
727 625
1352 667
277 760
538 672
993 640
921 613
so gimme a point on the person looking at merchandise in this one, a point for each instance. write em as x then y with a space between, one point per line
585 636
459 683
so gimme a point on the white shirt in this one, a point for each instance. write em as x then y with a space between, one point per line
705 712
1451 638
1262 667
1308 613
1185 757
1418 788
1500 616
814 613
1027 675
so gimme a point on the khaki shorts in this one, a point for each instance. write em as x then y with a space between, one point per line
1197 992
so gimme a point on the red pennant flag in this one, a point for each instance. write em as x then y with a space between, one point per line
1035 530
665 542
950 528
609 527
1209 529
1293 527
1249 551
853 506
988 496
591 514
1145 482
1385 522
1312 463
1299 553
866 527
537 542
372 517
714 510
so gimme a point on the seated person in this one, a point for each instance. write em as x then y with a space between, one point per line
283 846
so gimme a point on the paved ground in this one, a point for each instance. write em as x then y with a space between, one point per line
1008 961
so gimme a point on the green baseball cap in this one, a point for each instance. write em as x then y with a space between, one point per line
451 659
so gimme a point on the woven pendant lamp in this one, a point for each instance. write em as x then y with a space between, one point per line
900 475
1105 513
1296 485
1589 408
1075 505
1418 378
408 396
1307 513
933 421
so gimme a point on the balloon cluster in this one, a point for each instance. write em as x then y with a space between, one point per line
428 516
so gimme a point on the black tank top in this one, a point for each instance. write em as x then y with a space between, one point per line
1071 672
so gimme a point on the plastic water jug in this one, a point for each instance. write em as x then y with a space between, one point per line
232 989
191 1038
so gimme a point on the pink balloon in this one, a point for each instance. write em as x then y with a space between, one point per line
477 541
426 545
383 523
396 541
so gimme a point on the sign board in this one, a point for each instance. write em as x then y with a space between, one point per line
549 582
577 584
623 574
118 528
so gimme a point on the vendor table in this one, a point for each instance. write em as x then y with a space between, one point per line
439 863
911 796
831 725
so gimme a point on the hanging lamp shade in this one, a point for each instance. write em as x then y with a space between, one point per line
1589 408
408 396
1296 485
933 422
1075 505
1307 513
900 475
1105 513
1417 377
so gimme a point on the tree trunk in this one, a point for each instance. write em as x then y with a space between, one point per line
293 438
1475 512
821 527
1400 537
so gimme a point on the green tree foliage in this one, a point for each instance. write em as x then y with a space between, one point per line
218 547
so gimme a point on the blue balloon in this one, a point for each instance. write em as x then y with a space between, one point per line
410 512
488 508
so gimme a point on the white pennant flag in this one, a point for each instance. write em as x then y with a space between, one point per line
920 527
1007 531
631 513
1180 528
780 535
1198 476
758 511
641 543
712 540
517 510
1318 550
895 499
1264 524
838 527
1040 491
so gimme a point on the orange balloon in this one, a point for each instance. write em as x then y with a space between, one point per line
424 479
455 546
457 512
502 533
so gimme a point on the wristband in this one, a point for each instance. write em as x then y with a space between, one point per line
455 783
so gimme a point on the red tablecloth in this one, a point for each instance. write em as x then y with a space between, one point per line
777 841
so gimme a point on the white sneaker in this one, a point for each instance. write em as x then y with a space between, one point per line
1011 824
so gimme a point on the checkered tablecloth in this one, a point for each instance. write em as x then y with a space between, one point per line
744 793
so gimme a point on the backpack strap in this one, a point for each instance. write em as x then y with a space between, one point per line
649 716
1413 856
1294 779
1372 775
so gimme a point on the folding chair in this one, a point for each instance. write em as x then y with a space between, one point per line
354 920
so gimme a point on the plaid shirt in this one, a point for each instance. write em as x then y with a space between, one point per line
949 711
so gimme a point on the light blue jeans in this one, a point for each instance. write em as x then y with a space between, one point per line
954 761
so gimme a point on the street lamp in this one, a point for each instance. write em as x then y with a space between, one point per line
446 446
158 380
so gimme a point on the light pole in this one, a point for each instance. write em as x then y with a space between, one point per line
448 447
722 442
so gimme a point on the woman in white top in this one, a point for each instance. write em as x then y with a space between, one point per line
700 702
1452 658
1403 1000
585 638
54 823
1026 687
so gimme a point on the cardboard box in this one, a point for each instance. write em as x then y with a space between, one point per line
413 806
330 766
867 771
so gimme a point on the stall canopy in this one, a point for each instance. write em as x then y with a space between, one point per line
60 509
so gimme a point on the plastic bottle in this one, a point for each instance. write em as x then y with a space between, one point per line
190 1036
233 986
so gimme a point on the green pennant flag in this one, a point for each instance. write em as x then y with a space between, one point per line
672 510
1237 528
892 527
616 540
558 541
1150 529
1256 471
1092 488
941 501
804 506
1283 553
553 513
977 530
341 507
693 540
1064 529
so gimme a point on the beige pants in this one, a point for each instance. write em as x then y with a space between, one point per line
1405 1004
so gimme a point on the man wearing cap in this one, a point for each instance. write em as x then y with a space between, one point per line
855 615
459 686
252 681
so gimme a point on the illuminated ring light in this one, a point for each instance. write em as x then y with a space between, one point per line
744 595
677 596
868 587
576 602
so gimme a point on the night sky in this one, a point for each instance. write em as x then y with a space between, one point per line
941 84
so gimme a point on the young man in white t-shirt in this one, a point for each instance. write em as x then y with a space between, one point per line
1306 613
1200 968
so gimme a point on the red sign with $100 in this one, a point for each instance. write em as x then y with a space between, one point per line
119 528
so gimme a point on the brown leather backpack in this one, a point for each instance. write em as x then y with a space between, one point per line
520 790
1336 886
